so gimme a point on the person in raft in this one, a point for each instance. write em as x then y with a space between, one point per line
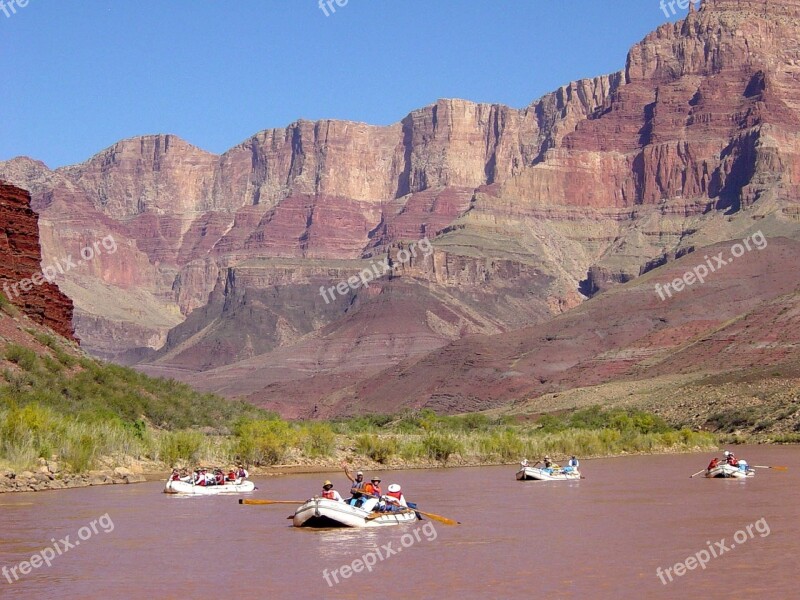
219 477
180 476
713 464
371 494
547 462
574 463
394 500
329 493
241 474
731 459
356 490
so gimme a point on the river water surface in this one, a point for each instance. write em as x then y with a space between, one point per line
602 537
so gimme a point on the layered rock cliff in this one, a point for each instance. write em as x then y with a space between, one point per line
529 210
21 266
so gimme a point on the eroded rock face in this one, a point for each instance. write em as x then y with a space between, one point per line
21 260
530 210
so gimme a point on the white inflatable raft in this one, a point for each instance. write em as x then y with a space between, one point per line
321 512
726 471
189 489
536 474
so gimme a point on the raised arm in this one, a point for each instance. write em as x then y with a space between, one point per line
347 472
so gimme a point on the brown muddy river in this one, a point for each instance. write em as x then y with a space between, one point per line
603 537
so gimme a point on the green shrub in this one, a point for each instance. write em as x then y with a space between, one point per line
362 424
411 450
379 449
52 365
318 439
440 447
180 446
25 358
505 445
30 424
79 452
264 442
7 307
551 423
731 420
65 358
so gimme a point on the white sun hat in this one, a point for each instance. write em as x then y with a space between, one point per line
394 488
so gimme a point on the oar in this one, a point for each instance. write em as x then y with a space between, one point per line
696 474
776 468
439 518
259 502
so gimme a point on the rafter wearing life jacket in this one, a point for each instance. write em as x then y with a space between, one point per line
394 495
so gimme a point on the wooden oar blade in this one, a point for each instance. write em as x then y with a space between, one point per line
439 518
776 468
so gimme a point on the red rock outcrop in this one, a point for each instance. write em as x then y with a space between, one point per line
22 260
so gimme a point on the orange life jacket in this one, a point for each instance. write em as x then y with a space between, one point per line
372 490
329 494
397 495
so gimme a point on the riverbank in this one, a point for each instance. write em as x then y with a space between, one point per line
112 453
49 478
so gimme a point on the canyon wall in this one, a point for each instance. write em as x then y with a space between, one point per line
21 265
530 211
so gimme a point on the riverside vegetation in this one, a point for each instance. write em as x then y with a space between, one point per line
59 406
79 410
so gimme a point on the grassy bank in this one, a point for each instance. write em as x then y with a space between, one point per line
59 406
84 414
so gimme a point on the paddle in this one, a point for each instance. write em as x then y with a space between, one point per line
696 474
776 468
260 502
439 518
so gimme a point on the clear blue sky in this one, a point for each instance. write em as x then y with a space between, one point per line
79 75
